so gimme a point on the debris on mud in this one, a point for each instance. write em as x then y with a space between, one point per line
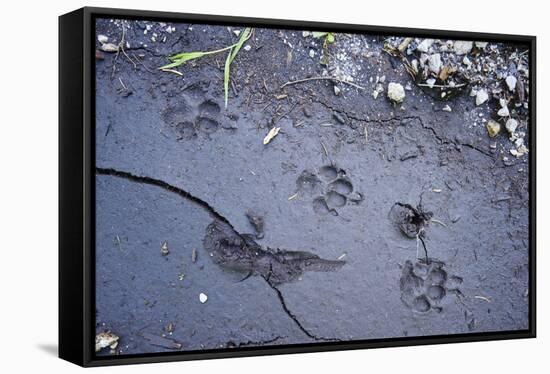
164 249
161 341
240 253
257 221
106 339
493 128
396 92
410 220
271 134
203 298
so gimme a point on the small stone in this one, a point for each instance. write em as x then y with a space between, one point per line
481 97
305 34
481 45
375 94
337 90
463 47
511 126
109 47
237 32
247 47
430 82
511 82
311 53
447 108
425 45
396 92
434 63
102 39
493 128
203 298
164 249
503 112
466 61
106 339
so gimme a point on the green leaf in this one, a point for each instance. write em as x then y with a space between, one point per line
330 37
226 76
319 34
237 46
182 58
232 54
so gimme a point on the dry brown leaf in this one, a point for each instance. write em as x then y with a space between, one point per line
271 134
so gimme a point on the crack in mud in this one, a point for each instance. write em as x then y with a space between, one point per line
295 319
437 136
275 267
164 185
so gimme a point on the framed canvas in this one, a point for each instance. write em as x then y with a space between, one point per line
236 186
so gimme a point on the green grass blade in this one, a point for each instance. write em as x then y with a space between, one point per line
232 54
319 34
237 46
182 58
226 76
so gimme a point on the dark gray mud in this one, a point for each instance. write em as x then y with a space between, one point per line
263 231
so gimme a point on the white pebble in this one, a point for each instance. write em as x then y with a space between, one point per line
463 47
511 82
102 39
425 45
481 97
511 125
396 92
203 298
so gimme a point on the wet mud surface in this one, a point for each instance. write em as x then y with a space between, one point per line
361 219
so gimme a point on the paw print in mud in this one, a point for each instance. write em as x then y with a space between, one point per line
189 119
425 286
331 187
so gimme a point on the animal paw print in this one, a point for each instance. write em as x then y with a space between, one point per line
332 186
189 120
424 286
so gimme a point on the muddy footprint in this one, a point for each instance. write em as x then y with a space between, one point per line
332 186
190 118
424 287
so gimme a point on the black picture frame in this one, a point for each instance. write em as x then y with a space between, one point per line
77 188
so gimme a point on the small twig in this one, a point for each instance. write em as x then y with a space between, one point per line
438 221
419 238
482 298
441 85
293 196
404 44
173 71
324 149
122 83
321 78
